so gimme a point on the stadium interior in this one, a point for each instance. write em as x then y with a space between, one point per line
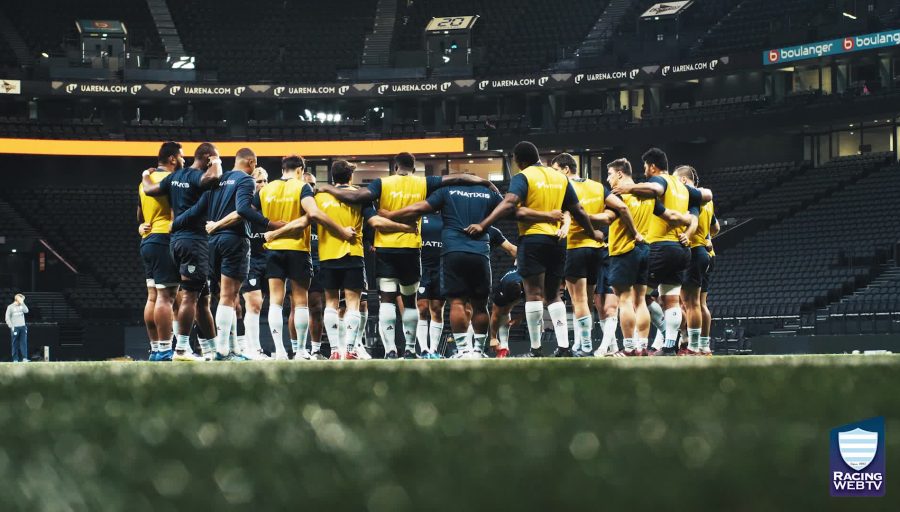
802 156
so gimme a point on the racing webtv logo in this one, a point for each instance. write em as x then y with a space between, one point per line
857 459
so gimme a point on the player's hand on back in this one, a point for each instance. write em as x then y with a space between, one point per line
474 230
210 227
276 224
348 234
639 239
387 214
598 235
144 229
556 215
683 238
624 188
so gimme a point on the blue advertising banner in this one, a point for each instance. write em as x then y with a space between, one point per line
832 47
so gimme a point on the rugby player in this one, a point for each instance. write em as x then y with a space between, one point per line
155 219
507 294
189 246
397 255
541 258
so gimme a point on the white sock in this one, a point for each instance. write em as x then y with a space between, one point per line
557 312
387 324
422 335
576 335
503 332
435 329
410 322
583 329
251 328
673 323
154 346
276 327
164 346
470 335
363 320
242 343
301 323
233 345
704 342
694 339
295 346
609 335
175 327
315 346
224 317
352 321
183 342
534 317
479 341
462 341
207 346
342 331
628 344
640 344
332 328
657 317
658 339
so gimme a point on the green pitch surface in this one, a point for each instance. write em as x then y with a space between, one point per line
723 434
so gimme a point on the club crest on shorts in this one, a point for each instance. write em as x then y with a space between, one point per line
253 282
191 269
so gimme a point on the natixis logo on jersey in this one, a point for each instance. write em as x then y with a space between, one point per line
858 459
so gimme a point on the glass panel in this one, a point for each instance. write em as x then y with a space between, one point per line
846 143
482 167
878 138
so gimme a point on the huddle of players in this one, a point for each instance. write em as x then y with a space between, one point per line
205 200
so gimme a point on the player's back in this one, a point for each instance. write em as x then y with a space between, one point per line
704 224
280 200
460 207
546 189
397 192
641 210
184 192
676 198
346 215
156 209
592 196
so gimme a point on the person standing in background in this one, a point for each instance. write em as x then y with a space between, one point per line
15 319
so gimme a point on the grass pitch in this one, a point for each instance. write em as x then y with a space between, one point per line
724 434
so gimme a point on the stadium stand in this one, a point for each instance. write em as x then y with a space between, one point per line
804 259
48 26
738 185
522 36
281 41
752 22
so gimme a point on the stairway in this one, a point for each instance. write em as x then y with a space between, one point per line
15 41
13 225
377 46
594 43
165 26
695 48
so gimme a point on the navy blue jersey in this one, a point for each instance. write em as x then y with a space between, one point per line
257 239
183 189
511 276
432 225
460 207
495 237
235 193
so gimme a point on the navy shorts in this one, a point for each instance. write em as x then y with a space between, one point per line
342 278
430 284
229 256
315 283
403 265
296 265
696 275
158 265
603 287
509 290
191 256
712 264
465 274
540 254
669 262
256 276
631 268
582 263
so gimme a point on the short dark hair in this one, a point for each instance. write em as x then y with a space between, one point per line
205 150
405 160
244 154
293 162
342 171
622 165
564 160
657 157
167 151
526 153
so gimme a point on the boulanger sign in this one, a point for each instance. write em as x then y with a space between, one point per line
832 47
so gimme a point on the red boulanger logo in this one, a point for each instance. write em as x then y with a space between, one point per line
848 43
773 55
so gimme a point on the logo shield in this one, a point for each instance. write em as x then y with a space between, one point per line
858 447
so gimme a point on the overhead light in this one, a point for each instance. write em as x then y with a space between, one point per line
471 161
321 116
468 154
329 117
848 15
851 125
14 250
363 162
45 55
337 118
432 156
490 159
553 151
308 115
